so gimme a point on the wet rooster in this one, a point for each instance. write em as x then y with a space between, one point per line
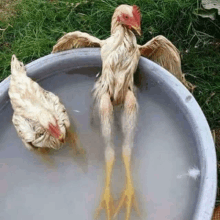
40 119
120 54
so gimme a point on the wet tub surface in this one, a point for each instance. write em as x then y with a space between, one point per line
169 144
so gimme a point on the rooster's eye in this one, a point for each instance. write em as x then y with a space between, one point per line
126 17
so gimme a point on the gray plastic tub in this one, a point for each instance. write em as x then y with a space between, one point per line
173 161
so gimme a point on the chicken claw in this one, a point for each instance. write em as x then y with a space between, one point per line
128 199
107 203
128 196
107 200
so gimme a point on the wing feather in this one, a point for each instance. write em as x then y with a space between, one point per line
76 39
163 52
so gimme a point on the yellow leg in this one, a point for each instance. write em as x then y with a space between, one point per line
107 200
129 118
106 115
128 196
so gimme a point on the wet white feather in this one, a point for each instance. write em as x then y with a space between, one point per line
120 55
192 172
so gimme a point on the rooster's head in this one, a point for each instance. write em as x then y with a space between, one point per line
130 17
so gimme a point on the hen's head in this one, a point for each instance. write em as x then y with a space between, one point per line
129 16
50 124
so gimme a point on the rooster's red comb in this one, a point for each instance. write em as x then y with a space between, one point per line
137 14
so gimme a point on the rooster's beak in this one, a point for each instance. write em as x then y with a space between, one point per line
137 29
61 138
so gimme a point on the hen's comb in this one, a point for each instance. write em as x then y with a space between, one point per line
54 130
137 14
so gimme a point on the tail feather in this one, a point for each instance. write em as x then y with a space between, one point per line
17 67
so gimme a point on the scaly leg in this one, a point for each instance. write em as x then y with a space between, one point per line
106 115
129 118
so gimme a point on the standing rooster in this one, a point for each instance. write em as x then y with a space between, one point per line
120 54
40 119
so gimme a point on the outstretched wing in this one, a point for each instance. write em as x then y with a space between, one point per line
163 52
76 39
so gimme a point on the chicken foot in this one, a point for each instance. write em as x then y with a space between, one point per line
129 119
106 115
128 196
107 201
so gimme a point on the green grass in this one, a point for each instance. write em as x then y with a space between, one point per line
37 24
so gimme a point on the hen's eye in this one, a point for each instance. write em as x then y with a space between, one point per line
126 17
39 135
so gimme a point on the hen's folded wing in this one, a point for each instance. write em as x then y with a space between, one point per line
24 129
76 39
57 107
163 52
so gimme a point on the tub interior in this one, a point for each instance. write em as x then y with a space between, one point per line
70 187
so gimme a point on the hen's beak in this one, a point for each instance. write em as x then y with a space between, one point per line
137 30
61 138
